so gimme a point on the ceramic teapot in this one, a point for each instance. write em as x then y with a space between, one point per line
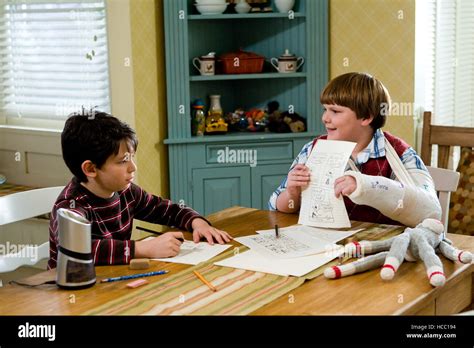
287 63
206 64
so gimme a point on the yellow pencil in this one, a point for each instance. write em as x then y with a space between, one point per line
204 281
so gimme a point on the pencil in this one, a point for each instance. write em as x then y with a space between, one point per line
204 281
156 232
132 276
147 230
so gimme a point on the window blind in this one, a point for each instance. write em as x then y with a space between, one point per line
449 70
53 58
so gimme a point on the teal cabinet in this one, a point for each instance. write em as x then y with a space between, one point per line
202 173
225 187
265 179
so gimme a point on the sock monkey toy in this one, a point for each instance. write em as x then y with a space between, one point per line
416 243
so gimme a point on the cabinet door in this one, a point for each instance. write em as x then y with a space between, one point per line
215 189
265 180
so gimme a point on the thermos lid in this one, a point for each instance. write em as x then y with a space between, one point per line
70 215
74 231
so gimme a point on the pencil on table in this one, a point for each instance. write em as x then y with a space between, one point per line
204 281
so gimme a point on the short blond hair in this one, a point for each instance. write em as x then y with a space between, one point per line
362 93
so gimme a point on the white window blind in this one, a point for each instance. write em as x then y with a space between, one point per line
53 58
447 51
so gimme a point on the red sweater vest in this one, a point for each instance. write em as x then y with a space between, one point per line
376 167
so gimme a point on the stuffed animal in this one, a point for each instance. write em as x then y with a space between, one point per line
416 243
284 122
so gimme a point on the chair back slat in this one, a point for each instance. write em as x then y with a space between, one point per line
21 206
445 181
24 205
443 156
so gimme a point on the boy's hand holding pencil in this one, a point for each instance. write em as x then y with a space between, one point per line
166 245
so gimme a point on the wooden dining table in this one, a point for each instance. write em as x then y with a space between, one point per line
409 293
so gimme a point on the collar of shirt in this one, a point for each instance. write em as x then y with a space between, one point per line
375 149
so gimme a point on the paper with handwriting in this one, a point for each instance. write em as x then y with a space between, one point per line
193 253
326 234
287 245
319 205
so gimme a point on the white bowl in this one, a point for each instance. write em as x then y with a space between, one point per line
211 9
210 2
284 6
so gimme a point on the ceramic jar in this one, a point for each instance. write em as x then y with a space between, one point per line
287 63
206 65
242 6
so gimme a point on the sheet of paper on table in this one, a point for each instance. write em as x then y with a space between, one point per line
319 205
254 261
327 234
319 242
193 253
289 244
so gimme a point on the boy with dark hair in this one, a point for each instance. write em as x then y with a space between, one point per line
356 106
98 149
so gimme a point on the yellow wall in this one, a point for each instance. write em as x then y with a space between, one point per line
378 37
150 94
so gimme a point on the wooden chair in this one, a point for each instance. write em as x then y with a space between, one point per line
445 137
21 206
445 181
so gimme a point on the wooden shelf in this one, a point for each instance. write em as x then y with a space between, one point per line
244 16
247 76
240 137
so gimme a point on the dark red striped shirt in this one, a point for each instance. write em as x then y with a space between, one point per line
112 219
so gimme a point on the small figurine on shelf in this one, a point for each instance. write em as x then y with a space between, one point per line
199 118
284 122
257 120
237 120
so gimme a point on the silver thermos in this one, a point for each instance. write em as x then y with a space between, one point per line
75 265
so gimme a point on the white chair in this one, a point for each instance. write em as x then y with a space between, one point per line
21 206
445 181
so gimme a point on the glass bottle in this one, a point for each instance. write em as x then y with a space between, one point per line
215 123
215 110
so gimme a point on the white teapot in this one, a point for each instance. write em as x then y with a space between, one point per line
287 63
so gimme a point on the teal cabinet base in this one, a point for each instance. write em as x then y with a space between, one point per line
216 189
213 176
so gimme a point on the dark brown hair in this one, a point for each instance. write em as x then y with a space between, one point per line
362 93
93 136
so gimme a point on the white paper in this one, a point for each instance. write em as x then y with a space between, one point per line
289 244
319 205
326 234
253 261
193 253
331 236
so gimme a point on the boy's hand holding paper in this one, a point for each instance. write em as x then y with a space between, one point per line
319 205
